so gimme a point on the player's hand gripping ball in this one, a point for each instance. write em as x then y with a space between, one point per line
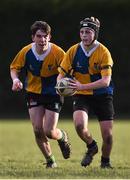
63 89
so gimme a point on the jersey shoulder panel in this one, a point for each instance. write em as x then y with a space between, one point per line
58 53
56 48
19 60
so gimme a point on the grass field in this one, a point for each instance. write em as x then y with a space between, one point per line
21 158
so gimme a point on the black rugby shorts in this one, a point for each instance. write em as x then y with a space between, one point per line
50 102
101 105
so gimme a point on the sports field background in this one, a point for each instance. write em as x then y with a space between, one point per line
21 158
16 18
19 155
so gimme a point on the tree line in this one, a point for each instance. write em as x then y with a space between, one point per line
16 18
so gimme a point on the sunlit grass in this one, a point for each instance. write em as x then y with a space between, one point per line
21 158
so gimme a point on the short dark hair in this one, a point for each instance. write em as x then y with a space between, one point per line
42 25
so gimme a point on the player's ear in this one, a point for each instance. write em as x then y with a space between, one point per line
49 37
32 37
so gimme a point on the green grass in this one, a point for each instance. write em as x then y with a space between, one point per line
21 158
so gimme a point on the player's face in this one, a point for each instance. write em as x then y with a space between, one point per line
41 39
87 36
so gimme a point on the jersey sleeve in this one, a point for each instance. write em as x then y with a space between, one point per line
19 60
106 63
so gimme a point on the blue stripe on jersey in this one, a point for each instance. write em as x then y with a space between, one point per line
80 62
107 90
48 85
32 64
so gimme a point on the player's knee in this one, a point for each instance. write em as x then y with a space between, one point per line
49 133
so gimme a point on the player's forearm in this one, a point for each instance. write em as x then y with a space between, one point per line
17 84
14 74
102 83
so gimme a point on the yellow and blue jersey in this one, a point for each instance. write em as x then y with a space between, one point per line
87 68
42 71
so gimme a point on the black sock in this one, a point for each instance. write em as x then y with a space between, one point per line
92 144
105 160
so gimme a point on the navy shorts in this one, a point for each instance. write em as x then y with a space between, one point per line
50 102
101 105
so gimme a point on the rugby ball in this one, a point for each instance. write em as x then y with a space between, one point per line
63 89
